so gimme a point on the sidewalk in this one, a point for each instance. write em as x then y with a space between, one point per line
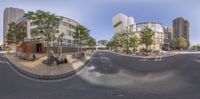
40 69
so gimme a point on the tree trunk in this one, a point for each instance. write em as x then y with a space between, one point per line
16 50
78 46
48 54
147 50
81 48
61 52
134 50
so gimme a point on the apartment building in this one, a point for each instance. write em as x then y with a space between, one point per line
158 37
124 24
168 39
180 28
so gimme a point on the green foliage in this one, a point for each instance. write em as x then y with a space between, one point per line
91 42
123 41
16 34
198 47
47 24
134 41
116 41
34 32
194 47
183 43
10 36
109 44
146 37
1 47
81 35
176 43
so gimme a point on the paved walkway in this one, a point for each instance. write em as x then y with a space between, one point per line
38 68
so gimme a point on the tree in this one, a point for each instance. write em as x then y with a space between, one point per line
146 38
183 43
81 35
10 35
116 41
176 44
123 41
60 40
91 42
1 47
109 45
133 42
198 47
47 24
34 32
16 34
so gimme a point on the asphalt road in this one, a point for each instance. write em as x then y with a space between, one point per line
112 76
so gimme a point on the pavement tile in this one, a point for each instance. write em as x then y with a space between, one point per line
37 67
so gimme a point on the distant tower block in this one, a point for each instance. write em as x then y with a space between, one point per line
121 22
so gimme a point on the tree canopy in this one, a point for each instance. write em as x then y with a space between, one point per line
146 37
91 42
16 34
46 24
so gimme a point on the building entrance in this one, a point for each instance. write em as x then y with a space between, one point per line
39 48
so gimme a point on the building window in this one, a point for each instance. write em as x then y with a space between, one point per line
64 23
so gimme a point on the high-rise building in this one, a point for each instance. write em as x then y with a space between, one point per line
121 22
180 28
10 15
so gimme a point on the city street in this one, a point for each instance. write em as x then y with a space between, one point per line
111 76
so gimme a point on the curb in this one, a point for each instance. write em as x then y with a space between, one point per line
48 77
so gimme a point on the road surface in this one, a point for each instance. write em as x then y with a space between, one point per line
111 76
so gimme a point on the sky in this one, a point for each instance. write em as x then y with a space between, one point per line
97 15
